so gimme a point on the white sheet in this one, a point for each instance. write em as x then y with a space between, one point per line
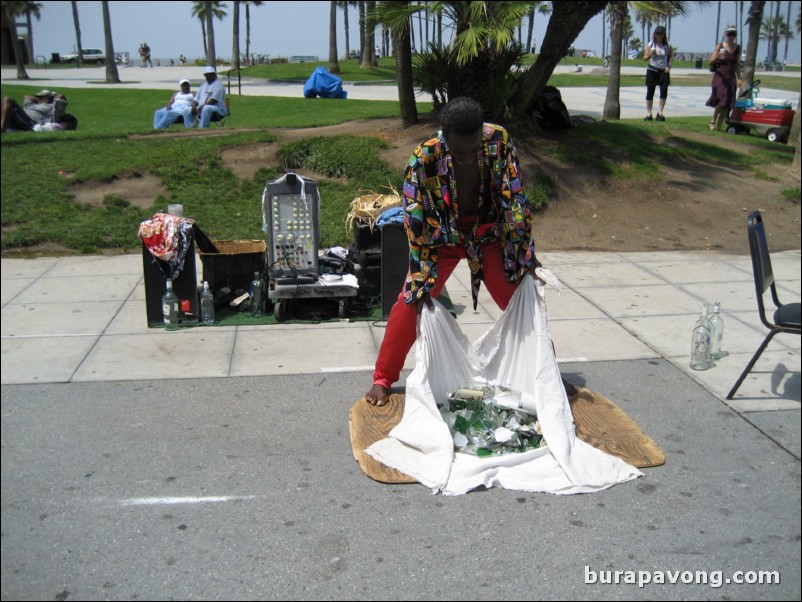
516 352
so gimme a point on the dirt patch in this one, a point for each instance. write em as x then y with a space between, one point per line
139 189
694 205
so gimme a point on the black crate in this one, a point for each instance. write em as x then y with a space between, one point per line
234 263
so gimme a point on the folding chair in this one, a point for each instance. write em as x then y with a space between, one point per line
222 120
786 316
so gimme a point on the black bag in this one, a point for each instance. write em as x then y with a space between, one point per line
713 67
549 111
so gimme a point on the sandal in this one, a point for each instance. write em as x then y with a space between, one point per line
711 126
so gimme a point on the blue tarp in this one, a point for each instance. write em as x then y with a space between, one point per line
324 84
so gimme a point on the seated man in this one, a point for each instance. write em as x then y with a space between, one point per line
43 108
209 101
178 103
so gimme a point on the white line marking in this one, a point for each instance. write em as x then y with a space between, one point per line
154 501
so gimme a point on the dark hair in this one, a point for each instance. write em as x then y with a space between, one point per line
69 121
461 115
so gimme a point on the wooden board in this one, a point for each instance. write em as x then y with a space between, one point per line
602 424
599 422
367 424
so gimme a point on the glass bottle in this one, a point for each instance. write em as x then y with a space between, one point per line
700 342
257 295
170 307
716 332
207 304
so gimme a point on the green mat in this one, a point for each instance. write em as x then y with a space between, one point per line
302 311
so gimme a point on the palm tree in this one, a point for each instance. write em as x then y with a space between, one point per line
235 35
612 105
35 9
753 37
11 10
344 6
248 4
368 35
112 76
619 14
79 58
211 54
568 19
334 64
217 9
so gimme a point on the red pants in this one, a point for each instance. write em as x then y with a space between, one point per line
400 334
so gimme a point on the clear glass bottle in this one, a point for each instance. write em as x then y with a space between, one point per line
700 342
716 332
257 295
207 304
170 307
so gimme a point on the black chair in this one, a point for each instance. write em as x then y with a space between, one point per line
786 316
222 120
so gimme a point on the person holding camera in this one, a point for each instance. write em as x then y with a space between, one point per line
725 63
660 57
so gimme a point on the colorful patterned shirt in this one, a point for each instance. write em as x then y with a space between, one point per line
431 211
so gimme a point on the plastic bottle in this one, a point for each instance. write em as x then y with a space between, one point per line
700 342
716 332
257 295
207 304
170 308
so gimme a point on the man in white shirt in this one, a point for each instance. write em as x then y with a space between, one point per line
209 101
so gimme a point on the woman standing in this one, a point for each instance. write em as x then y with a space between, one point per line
725 62
660 57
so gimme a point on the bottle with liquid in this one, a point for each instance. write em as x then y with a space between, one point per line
700 342
257 295
170 307
207 304
716 332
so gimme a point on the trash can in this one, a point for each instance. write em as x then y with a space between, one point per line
55 58
698 63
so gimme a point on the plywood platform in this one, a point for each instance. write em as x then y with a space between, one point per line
599 422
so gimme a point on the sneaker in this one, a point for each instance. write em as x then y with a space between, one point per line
647 118
660 117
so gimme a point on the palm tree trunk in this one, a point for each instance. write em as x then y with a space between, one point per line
531 30
11 18
112 76
612 103
211 52
235 34
334 64
568 19
368 56
754 22
347 41
32 59
77 23
248 32
402 51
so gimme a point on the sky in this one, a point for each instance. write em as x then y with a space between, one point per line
302 28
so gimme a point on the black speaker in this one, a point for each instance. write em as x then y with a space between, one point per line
185 287
395 264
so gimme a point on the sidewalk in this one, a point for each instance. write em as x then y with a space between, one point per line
83 319
683 100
